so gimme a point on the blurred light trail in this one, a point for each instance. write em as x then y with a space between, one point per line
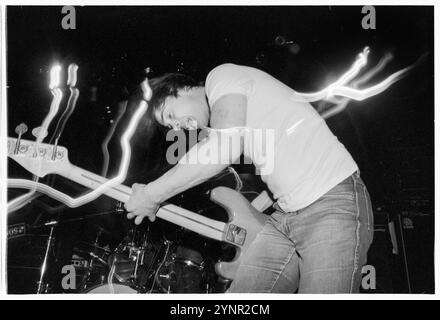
71 103
55 76
339 88
122 106
72 72
341 103
126 155
43 188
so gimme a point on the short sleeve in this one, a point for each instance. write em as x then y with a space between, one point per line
226 79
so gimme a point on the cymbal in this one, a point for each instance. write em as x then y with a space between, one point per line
91 254
94 246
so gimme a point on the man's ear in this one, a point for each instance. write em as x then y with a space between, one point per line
191 123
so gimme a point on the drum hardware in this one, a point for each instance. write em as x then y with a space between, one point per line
139 263
93 248
119 208
95 256
167 243
126 264
223 284
182 271
95 264
42 286
135 248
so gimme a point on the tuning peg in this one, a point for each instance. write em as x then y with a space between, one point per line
21 129
39 133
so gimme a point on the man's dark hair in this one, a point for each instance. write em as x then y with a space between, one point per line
165 86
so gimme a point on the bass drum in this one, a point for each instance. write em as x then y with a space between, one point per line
182 272
111 289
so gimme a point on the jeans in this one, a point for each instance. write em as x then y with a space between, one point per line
318 249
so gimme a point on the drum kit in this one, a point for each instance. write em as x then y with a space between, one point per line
142 262
138 265
157 257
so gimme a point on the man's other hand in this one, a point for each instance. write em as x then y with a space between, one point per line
141 204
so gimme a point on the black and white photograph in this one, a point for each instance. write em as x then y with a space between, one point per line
219 149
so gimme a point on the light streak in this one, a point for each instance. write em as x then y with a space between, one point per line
67 113
372 72
72 74
74 94
362 94
57 97
339 88
122 173
55 71
104 146
360 62
126 155
43 188
55 77
76 202
73 98
341 103
354 70
20 204
292 128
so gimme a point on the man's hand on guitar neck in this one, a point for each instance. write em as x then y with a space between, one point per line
142 203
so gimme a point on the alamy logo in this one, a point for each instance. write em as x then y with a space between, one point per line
368 277
224 146
369 20
68 282
69 20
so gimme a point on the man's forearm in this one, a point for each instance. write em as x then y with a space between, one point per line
182 177
203 161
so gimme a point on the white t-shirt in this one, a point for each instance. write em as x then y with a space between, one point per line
309 160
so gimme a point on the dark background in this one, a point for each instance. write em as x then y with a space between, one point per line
391 136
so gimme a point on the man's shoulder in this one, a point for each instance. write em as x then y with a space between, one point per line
227 78
224 69
227 65
229 72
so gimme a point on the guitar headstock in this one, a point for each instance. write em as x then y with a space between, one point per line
39 162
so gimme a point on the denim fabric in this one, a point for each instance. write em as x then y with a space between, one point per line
318 249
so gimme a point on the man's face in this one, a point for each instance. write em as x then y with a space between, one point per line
184 112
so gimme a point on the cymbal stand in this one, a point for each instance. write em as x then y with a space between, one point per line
42 286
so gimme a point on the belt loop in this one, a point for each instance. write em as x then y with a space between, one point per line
277 207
